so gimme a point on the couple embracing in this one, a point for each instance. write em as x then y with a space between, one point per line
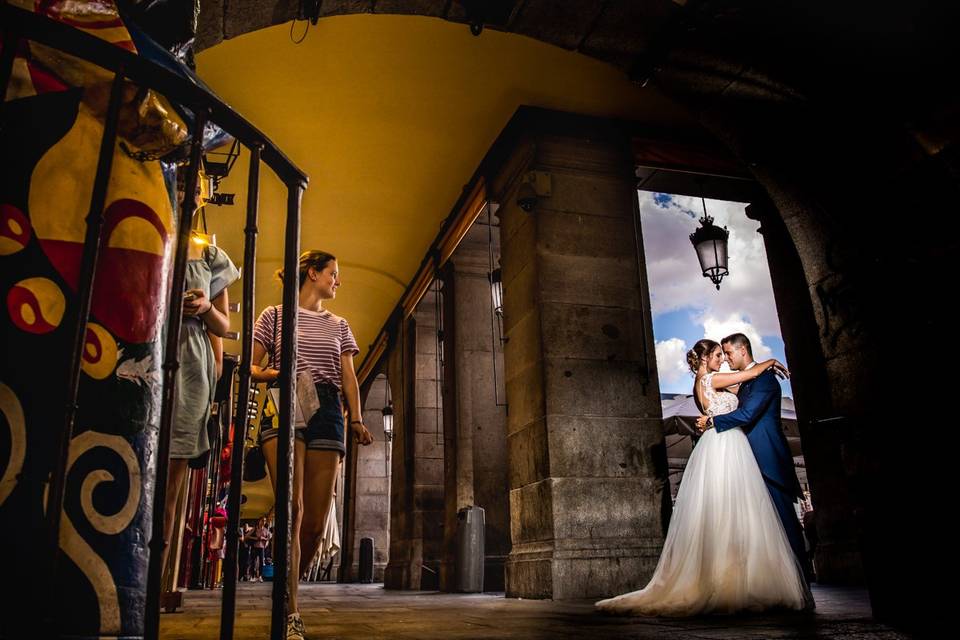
734 542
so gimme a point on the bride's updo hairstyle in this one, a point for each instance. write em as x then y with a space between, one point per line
701 350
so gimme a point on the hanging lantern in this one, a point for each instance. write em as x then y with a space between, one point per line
496 290
710 242
388 422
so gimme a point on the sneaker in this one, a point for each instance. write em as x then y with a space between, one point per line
295 628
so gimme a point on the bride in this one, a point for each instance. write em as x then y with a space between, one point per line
726 550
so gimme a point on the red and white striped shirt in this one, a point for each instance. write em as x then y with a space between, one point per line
321 339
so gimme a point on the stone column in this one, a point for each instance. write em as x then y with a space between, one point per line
589 499
837 555
403 568
371 492
428 444
476 454
416 528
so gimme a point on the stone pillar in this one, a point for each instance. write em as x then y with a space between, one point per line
416 529
588 473
371 490
428 444
476 454
403 568
837 555
457 450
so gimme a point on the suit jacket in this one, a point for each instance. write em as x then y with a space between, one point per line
759 417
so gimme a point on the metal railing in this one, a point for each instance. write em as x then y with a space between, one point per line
21 25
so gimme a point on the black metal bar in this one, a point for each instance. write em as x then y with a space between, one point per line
349 478
88 269
213 486
195 479
229 606
285 447
147 73
171 363
204 514
10 43
211 489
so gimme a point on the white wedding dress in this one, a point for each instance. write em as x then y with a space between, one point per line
726 550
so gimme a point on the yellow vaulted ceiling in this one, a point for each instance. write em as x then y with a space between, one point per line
389 116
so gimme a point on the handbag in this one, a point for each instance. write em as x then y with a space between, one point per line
306 401
254 465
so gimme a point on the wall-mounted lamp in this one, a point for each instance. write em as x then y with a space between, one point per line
496 290
533 186
710 242
388 422
495 275
216 167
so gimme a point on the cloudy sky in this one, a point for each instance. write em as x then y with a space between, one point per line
687 306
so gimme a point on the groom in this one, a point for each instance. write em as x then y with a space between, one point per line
759 417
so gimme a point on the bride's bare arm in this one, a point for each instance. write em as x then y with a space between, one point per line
724 380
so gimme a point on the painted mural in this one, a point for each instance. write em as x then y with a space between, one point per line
52 126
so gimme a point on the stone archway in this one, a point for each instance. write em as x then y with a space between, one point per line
804 101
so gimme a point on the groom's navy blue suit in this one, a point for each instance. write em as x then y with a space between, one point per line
759 417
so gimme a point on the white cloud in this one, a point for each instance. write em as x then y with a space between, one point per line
718 328
674 273
672 361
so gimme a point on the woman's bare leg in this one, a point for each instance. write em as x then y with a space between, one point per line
319 480
296 511
175 476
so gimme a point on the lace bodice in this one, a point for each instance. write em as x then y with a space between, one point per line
720 402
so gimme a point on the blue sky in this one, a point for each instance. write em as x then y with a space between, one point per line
687 306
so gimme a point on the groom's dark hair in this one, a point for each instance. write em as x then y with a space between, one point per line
739 340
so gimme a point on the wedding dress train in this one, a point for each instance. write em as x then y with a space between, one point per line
726 549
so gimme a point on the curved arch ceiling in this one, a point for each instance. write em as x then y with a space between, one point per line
389 116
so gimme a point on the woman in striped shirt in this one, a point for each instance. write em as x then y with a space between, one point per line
325 350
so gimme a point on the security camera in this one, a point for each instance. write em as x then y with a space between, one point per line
533 186
526 197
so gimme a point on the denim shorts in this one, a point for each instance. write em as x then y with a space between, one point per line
324 430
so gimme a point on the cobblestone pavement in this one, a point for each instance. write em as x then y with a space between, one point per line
347 611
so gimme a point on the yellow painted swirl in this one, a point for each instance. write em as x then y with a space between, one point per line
13 412
76 548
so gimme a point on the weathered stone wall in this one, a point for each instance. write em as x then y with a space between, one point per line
589 498
477 463
372 487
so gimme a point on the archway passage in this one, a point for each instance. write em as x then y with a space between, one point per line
757 299
803 104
